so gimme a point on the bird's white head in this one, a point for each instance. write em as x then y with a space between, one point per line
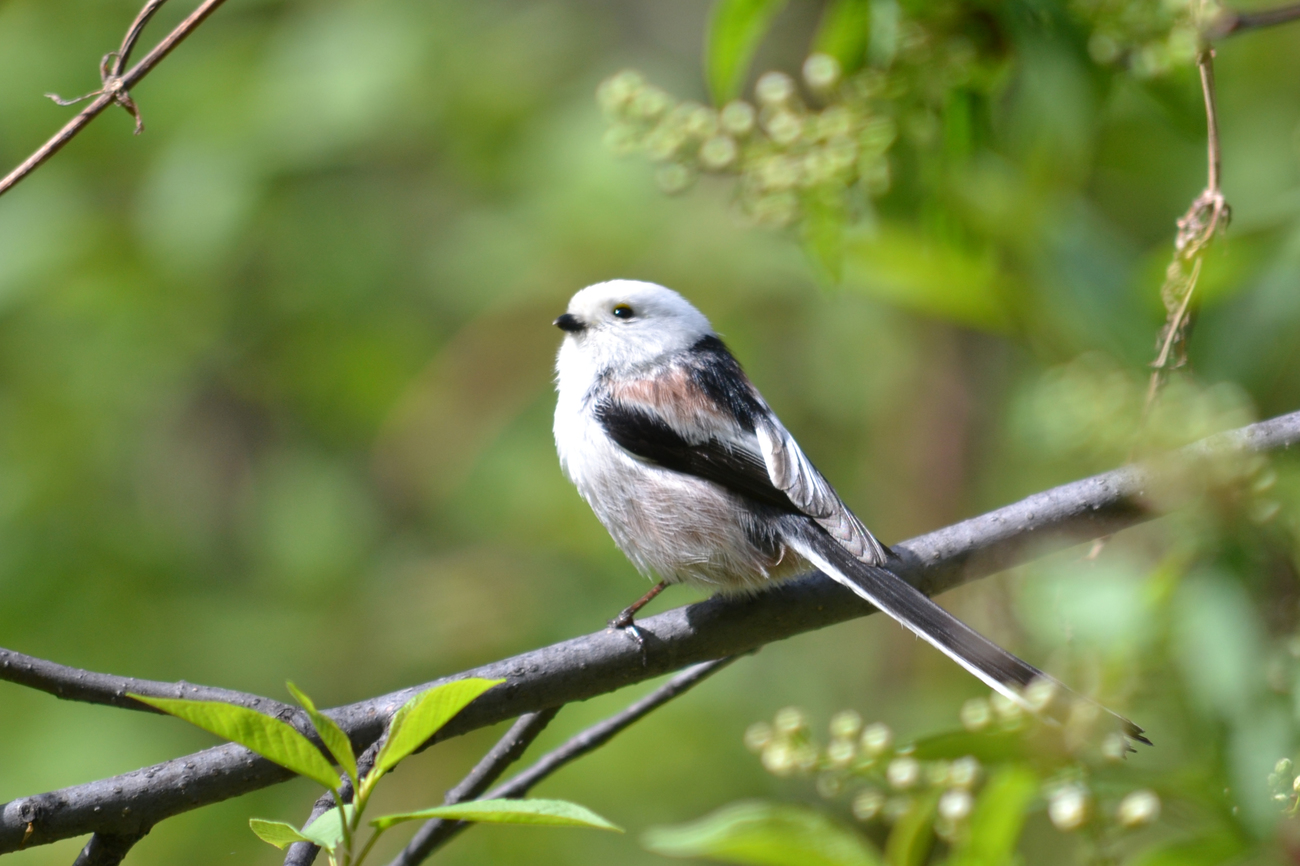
622 325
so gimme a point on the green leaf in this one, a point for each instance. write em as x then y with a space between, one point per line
903 267
330 733
843 32
327 830
550 813
422 716
909 841
754 833
736 27
270 738
997 820
992 747
276 833
1205 850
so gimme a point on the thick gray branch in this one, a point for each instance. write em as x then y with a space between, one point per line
598 663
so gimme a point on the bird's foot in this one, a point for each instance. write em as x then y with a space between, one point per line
625 623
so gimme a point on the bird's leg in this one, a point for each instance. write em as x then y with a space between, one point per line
624 621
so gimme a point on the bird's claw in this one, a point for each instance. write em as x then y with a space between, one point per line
624 623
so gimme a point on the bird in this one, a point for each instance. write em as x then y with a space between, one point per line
698 482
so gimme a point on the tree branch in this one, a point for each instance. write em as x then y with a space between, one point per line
74 684
605 661
107 849
1231 21
437 832
116 88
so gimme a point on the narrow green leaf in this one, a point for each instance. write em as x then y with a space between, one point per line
330 733
276 833
736 28
327 830
1208 850
843 32
909 841
990 747
754 833
422 716
270 738
551 813
997 820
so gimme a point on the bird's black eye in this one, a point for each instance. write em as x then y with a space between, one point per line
623 311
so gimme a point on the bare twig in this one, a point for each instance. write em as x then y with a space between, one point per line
74 684
1231 21
437 832
603 662
1208 214
116 87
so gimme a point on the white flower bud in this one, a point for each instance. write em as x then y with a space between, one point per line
846 725
785 127
821 71
841 752
1068 807
867 804
964 772
757 736
877 738
790 721
976 714
1139 808
956 804
778 758
774 88
718 152
738 117
903 773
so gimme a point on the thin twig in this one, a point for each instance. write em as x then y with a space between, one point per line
1231 22
74 684
1206 216
606 661
437 832
116 88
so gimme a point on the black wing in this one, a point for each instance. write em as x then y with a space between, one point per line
648 437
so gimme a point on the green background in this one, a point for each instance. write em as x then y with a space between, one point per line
275 388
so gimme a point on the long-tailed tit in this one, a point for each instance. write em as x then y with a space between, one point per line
698 481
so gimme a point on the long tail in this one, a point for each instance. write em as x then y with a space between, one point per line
994 666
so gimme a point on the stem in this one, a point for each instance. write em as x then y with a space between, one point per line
343 820
374 837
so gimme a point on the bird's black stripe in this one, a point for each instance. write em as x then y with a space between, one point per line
649 438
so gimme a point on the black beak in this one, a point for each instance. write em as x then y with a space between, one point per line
570 323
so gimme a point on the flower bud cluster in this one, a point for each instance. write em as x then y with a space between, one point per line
781 149
1150 39
1285 786
883 781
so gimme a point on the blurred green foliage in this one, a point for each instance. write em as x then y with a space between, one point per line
275 401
